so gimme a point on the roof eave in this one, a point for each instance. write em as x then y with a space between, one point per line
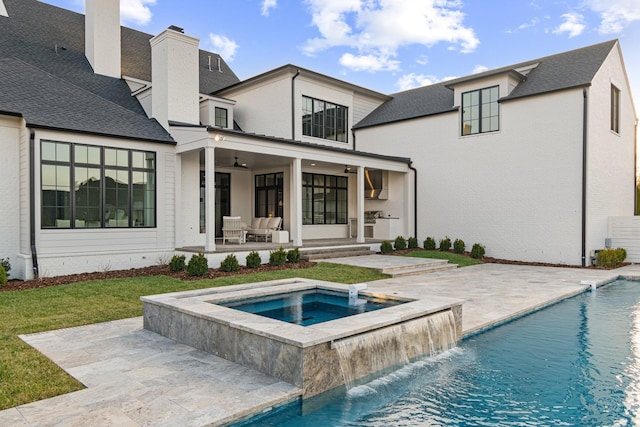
170 141
454 109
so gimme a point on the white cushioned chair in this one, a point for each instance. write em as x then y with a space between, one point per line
262 227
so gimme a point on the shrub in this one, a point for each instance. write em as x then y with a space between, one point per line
177 263
611 257
477 251
253 260
400 243
230 263
412 242
293 255
445 244
198 265
3 275
429 243
6 265
278 257
385 247
458 246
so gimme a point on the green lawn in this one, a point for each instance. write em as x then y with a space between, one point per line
461 260
26 375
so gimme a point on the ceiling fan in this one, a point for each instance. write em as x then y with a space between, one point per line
239 165
347 169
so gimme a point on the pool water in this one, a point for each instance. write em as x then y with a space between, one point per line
310 307
576 363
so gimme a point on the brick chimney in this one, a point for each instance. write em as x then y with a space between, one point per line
102 36
175 79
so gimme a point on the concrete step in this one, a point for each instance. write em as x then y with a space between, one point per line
315 254
413 270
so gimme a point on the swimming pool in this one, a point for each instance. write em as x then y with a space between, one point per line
576 363
310 307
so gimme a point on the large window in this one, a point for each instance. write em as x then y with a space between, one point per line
269 195
480 111
324 199
324 120
86 186
615 109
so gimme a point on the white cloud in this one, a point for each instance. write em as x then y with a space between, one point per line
136 11
378 28
615 15
267 5
368 62
412 80
479 69
224 46
573 25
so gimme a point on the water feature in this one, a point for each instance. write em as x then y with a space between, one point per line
311 357
576 363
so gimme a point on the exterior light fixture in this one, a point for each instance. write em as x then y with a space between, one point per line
217 137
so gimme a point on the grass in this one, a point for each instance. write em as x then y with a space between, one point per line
26 375
453 258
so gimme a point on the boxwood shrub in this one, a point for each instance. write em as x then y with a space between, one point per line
429 243
198 265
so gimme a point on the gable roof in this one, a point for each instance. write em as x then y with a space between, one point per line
561 71
47 43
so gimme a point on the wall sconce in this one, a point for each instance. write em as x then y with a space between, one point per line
217 137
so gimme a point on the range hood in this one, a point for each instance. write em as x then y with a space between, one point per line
374 184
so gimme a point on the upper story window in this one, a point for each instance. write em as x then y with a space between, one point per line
615 109
480 111
324 119
85 186
221 117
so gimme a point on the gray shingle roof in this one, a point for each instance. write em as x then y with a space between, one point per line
48 44
566 70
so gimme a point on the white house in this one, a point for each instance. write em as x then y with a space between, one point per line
120 148
529 159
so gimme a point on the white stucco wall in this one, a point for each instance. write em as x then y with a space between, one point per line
10 191
516 191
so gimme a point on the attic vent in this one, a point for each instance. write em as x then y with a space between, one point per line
3 10
172 27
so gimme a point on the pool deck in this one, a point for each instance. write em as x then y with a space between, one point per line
135 377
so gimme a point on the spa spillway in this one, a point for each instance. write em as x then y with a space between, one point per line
279 339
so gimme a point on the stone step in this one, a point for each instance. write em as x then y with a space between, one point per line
426 263
315 254
412 271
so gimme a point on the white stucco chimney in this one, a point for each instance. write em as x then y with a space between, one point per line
102 36
175 78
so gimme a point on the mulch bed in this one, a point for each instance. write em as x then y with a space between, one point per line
154 270
163 270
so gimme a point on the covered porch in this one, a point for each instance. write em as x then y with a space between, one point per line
324 194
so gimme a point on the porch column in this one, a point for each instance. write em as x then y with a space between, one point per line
296 201
210 199
360 204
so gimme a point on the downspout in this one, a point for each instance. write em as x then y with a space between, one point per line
415 199
584 175
353 134
32 202
293 103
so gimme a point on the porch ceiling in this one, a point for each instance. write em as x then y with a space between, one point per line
226 159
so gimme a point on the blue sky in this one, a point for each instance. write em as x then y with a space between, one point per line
390 45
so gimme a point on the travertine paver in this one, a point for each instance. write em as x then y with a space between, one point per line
135 377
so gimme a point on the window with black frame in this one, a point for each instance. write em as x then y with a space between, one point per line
324 199
322 119
269 193
480 111
85 186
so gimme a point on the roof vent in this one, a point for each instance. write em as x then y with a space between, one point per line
172 27
3 10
